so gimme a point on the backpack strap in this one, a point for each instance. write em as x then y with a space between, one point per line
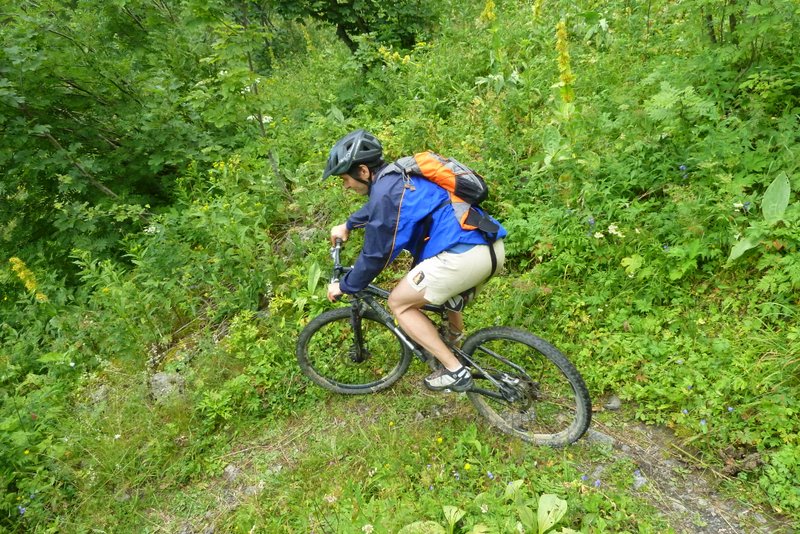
492 254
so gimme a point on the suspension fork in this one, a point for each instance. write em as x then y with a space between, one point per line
387 319
358 353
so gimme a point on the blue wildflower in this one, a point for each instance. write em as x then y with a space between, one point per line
490 475
22 510
685 411
457 475
746 206
590 220
682 167
585 478
430 488
597 483
703 422
665 247
730 408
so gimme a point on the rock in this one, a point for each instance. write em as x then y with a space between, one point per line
99 395
164 386
594 436
639 479
231 473
613 403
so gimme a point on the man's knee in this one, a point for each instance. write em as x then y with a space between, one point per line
403 298
397 304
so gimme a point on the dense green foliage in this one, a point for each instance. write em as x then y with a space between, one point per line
161 210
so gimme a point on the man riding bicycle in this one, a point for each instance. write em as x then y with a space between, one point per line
406 212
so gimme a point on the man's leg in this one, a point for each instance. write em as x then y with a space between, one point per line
405 303
456 325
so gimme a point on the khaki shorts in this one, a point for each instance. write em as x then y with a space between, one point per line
448 274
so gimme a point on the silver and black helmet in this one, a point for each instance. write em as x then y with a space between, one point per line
354 148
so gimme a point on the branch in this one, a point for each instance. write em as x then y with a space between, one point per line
136 19
77 87
92 179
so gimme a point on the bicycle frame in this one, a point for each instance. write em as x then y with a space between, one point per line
370 295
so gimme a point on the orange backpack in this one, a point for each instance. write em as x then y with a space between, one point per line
467 188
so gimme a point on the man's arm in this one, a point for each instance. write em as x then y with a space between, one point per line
379 238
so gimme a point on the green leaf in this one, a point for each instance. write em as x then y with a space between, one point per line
512 489
52 357
453 515
337 115
632 264
526 517
552 144
314 275
776 199
742 246
551 510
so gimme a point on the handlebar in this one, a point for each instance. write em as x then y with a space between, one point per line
338 270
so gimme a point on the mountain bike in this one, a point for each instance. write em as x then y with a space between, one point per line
523 385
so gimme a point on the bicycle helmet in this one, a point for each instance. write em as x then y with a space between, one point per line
356 147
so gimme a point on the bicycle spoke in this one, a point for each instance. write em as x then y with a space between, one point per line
522 390
329 355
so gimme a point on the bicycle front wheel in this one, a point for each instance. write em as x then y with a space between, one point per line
525 387
329 354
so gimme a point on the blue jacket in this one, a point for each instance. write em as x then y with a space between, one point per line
393 220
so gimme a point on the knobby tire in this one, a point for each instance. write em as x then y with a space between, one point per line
326 348
552 404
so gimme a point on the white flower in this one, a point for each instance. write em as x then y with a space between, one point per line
484 508
614 230
152 229
330 499
117 436
368 528
72 364
265 119
598 235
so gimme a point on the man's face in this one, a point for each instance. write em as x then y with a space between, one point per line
355 185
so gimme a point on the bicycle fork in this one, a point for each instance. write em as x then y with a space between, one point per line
360 353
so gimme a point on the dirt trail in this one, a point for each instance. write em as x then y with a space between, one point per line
688 495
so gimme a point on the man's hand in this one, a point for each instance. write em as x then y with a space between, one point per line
334 291
339 232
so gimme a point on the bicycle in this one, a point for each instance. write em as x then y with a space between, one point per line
523 385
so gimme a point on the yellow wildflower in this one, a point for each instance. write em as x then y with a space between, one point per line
488 14
537 8
26 277
566 76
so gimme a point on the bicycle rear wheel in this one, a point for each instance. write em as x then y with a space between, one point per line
327 353
532 391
